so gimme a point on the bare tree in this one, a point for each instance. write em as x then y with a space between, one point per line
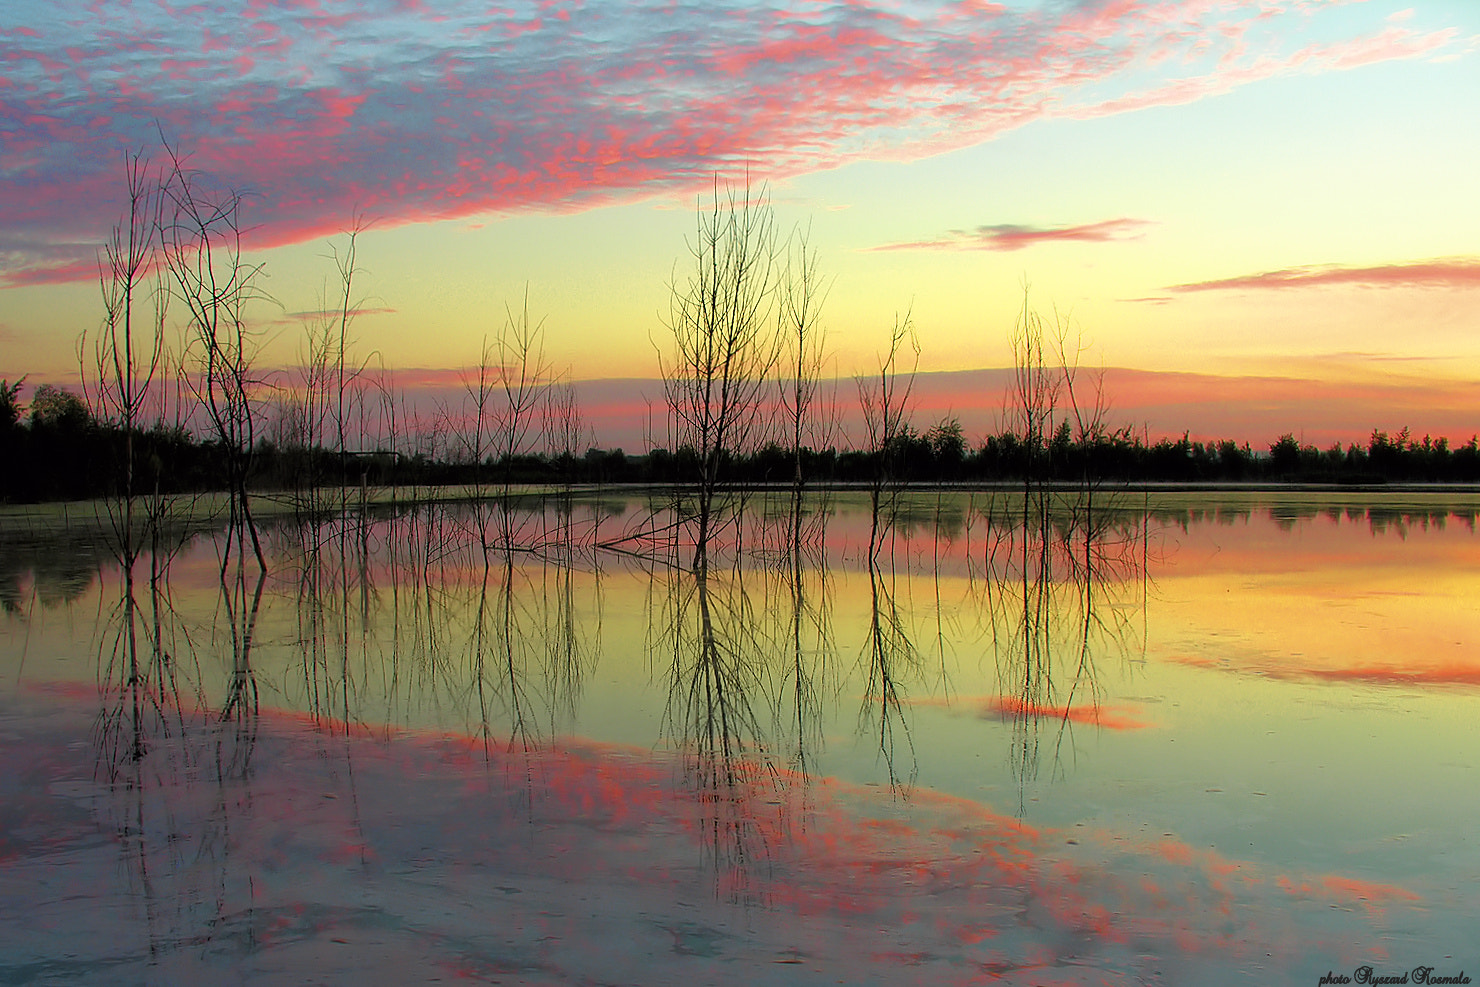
128 356
345 265
724 347
506 392
1034 395
128 351
201 236
885 401
304 411
799 313
524 376
329 392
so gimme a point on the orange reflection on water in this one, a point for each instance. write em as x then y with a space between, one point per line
1113 717
1346 890
1325 596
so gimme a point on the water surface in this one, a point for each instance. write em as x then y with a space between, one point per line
1171 739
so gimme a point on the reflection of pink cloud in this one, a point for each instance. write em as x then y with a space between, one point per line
494 834
1449 674
1461 272
324 108
1439 675
1369 895
1111 717
1011 237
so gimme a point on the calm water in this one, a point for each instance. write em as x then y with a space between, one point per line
1169 739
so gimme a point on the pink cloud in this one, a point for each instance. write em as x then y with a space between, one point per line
1456 273
1235 69
1007 236
333 315
320 108
62 273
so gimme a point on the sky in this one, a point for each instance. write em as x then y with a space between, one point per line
1258 217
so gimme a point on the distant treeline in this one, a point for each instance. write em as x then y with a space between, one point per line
60 451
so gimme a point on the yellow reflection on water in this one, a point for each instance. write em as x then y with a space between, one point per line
1346 595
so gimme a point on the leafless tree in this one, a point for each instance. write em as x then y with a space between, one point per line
505 394
201 236
885 401
724 344
799 313
128 351
524 376
123 364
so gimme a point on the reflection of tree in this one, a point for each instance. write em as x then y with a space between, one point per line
162 750
137 675
498 650
57 579
805 643
569 648
528 651
745 639
404 611
330 568
1055 602
237 714
890 658
715 682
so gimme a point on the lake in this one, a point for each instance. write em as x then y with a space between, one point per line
1166 737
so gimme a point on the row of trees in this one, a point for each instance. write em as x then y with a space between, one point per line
172 400
57 449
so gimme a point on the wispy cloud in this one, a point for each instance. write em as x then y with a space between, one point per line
1395 42
1009 236
1458 272
408 113
334 314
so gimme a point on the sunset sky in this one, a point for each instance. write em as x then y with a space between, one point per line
1264 216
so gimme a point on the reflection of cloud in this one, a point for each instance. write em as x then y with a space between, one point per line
1457 273
1451 674
1446 674
329 108
1112 717
1346 890
1007 236
945 892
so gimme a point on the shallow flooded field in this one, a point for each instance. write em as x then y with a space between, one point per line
972 738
